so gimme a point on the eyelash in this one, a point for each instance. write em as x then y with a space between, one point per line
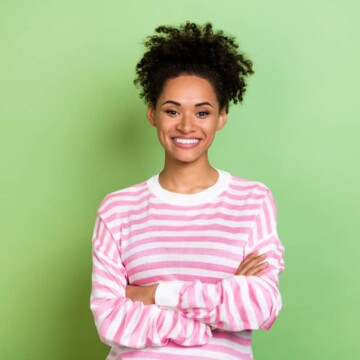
171 112
200 114
204 113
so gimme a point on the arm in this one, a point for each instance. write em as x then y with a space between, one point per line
252 265
239 302
122 322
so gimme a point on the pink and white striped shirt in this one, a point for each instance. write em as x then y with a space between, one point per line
191 245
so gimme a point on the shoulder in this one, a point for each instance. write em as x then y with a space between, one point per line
250 187
253 196
123 197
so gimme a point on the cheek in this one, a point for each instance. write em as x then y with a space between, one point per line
211 129
161 134
164 126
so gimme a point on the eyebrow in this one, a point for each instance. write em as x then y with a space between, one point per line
178 104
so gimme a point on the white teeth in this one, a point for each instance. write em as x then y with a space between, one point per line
186 141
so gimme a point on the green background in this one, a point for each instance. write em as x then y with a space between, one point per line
73 129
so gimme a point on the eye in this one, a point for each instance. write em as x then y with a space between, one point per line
171 112
202 114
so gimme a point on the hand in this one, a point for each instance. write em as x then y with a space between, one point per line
145 294
252 265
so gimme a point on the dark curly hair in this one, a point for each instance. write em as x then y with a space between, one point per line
192 49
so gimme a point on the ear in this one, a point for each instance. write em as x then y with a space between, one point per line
222 118
150 114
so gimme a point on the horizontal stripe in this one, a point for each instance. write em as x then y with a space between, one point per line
142 239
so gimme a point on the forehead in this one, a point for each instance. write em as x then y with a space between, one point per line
188 89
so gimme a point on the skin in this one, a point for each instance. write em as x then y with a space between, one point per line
188 109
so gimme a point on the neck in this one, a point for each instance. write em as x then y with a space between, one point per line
187 178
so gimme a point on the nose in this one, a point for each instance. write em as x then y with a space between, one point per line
186 124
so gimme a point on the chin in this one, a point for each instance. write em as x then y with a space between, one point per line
186 160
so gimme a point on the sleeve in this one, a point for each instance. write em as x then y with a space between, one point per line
239 302
124 323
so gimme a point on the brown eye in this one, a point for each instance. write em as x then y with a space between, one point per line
171 112
202 114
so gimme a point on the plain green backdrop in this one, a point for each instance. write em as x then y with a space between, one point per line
73 129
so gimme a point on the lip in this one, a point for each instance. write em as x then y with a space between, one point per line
186 145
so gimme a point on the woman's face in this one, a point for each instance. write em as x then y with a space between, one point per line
187 116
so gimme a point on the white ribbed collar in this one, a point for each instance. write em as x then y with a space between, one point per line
201 197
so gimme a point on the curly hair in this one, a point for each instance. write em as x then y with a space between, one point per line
193 49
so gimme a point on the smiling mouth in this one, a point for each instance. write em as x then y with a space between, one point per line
183 141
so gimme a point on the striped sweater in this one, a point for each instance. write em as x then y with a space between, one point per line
192 246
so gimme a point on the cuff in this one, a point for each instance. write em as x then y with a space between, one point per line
167 294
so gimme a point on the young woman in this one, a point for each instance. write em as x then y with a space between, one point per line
186 264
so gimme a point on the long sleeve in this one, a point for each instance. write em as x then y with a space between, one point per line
124 323
238 302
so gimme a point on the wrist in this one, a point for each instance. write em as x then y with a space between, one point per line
145 294
152 291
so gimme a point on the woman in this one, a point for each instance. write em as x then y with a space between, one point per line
186 264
